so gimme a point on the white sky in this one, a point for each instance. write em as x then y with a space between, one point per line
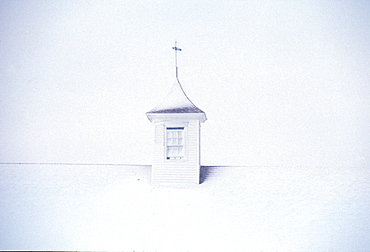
281 82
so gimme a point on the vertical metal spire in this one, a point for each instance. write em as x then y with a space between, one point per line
176 49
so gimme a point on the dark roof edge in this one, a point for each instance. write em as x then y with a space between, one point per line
177 110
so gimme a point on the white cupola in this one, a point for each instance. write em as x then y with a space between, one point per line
176 154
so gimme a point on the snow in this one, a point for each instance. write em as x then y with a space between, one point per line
114 207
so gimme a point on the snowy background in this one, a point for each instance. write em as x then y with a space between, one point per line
86 207
286 148
281 82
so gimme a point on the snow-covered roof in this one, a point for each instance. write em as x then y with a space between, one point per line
275 208
176 101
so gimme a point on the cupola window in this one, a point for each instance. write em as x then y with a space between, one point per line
175 142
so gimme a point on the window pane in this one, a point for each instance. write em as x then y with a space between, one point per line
170 151
180 153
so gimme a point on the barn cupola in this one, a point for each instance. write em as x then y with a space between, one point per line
176 156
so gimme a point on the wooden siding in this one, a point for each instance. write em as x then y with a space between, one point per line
177 171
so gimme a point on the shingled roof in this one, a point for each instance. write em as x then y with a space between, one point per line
176 101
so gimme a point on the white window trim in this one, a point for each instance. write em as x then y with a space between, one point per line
185 126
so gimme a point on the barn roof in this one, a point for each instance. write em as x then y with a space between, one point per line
176 101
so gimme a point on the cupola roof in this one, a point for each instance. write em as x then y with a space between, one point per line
176 101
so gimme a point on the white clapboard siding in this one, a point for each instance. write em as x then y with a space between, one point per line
177 171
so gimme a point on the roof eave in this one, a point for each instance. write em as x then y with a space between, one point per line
158 117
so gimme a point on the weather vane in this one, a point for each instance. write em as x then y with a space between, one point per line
176 49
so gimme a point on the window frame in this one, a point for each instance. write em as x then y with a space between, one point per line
184 142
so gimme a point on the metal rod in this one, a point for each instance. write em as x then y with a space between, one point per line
176 59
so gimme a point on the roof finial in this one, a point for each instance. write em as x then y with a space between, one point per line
176 49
